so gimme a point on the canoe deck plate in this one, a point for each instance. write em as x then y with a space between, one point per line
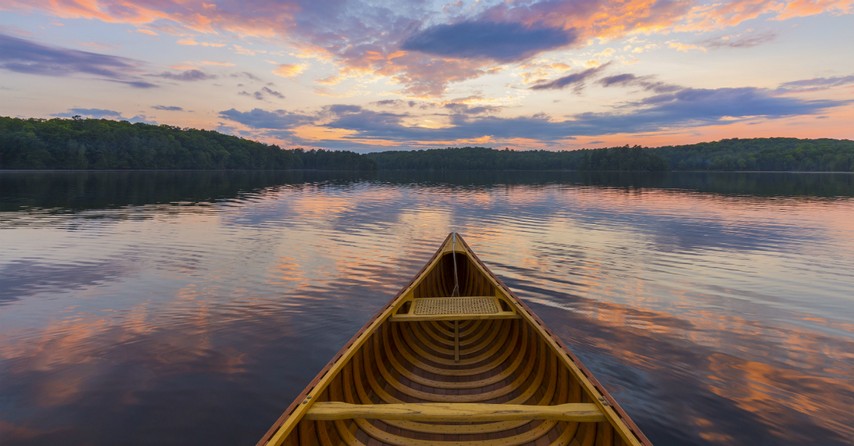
434 306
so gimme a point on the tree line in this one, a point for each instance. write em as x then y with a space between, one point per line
107 144
482 158
755 154
763 154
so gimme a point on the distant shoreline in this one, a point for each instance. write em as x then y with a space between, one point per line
106 145
351 172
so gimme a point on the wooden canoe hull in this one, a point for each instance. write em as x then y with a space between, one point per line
454 359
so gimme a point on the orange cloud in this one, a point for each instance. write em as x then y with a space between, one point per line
721 15
358 49
289 70
196 15
803 8
128 11
193 42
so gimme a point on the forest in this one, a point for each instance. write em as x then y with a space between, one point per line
106 144
482 158
755 154
762 154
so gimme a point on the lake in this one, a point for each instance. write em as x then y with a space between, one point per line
190 307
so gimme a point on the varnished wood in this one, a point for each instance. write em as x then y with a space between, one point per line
456 341
475 368
455 412
453 317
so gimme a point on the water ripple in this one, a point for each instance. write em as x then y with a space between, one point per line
198 312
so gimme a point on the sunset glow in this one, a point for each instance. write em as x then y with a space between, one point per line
369 75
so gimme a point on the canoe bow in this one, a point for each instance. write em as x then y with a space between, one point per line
455 358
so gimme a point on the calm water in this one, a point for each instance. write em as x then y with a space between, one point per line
174 308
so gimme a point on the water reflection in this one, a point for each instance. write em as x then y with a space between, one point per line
167 307
76 191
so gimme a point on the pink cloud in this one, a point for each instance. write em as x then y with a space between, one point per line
733 13
802 8
264 18
363 37
593 18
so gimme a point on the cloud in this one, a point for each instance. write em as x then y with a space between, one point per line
263 93
671 107
701 103
679 108
90 112
262 119
686 47
739 41
619 79
167 107
730 13
706 16
504 42
575 79
644 82
247 75
289 70
393 103
413 44
217 63
24 56
267 91
804 8
590 19
404 42
101 113
135 84
193 42
429 76
187 76
383 125
687 107
819 83
465 109
343 109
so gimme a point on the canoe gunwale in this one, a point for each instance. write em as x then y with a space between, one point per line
612 411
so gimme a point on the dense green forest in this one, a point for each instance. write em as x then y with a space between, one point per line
107 144
757 154
763 154
481 158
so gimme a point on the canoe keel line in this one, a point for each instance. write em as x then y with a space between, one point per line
454 359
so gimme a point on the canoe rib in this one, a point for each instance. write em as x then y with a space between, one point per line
454 359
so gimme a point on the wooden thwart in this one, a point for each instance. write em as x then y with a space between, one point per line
455 412
454 309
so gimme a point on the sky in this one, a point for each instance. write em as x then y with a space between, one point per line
393 74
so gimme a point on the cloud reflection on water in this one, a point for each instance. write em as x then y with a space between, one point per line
180 321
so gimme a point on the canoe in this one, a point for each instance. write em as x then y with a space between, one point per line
454 359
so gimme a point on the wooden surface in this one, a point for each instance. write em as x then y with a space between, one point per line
477 368
455 412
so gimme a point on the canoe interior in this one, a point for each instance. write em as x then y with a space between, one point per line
439 281
500 357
